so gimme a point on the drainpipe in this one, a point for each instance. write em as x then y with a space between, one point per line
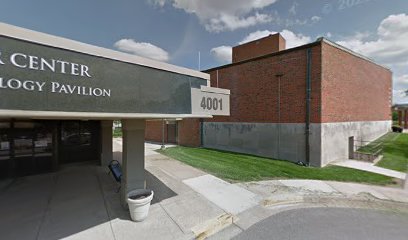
279 76
163 146
308 103
201 132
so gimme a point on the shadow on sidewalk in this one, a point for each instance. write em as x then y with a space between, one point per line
161 191
78 200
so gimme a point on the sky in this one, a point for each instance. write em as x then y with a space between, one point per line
179 31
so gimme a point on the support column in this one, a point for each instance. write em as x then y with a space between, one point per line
133 164
400 118
106 132
406 119
406 182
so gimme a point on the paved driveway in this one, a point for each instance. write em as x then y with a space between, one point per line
330 223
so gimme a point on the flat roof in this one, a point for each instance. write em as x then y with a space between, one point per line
309 45
68 44
401 106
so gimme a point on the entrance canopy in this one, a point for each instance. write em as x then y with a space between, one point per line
398 107
44 76
402 110
48 77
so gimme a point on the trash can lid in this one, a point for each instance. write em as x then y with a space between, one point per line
139 194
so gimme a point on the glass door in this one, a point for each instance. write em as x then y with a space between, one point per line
79 141
23 151
43 146
25 148
5 152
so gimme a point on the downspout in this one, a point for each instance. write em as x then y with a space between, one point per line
163 146
201 132
308 103
279 76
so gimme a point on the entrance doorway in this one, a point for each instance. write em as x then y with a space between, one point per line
30 147
351 147
79 141
172 132
25 148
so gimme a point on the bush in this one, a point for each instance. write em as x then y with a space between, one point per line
117 132
394 116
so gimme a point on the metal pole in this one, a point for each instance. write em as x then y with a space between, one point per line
279 76
217 78
201 132
199 61
163 146
308 103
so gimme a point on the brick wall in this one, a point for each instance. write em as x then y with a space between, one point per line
153 131
259 47
354 89
255 88
344 88
189 132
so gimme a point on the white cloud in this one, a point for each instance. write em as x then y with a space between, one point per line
142 49
293 8
158 2
217 15
228 22
390 45
399 96
401 82
295 40
256 35
315 19
292 39
222 54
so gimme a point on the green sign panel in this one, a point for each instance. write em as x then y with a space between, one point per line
41 78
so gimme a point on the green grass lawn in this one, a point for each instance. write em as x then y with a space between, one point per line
117 132
240 167
395 153
377 144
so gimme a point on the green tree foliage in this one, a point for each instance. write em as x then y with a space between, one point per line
394 116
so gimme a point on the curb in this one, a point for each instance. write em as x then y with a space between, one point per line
212 226
285 199
366 201
362 200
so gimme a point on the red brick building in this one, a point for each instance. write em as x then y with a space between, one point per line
307 104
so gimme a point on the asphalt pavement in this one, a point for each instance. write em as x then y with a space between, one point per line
330 224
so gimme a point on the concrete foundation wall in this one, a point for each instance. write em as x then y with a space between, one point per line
280 141
335 145
328 142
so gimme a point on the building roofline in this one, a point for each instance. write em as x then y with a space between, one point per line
309 45
262 38
27 35
312 44
400 106
336 45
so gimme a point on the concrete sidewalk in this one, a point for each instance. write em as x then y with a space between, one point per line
370 167
80 202
150 148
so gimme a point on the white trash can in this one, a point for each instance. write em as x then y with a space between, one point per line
139 203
